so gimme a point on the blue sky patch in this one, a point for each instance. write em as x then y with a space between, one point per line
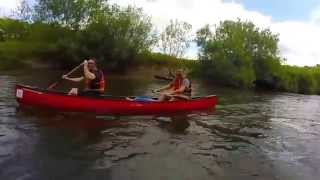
282 10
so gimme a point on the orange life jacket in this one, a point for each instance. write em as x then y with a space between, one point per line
177 84
96 84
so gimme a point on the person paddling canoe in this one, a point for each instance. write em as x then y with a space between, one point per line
93 77
178 88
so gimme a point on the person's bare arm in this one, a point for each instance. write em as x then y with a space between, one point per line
87 73
180 90
164 88
73 79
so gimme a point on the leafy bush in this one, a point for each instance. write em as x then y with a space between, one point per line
300 79
114 35
241 53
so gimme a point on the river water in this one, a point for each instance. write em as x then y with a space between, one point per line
251 135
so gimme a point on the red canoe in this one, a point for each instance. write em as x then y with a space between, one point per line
106 105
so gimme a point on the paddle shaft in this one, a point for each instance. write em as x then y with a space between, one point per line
70 72
163 78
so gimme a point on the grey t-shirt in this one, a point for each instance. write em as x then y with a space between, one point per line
186 83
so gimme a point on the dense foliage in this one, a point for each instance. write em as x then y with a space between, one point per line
242 55
70 31
305 80
239 53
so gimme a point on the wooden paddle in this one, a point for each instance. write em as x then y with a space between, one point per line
165 78
70 72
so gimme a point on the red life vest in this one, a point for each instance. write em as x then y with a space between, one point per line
96 84
177 84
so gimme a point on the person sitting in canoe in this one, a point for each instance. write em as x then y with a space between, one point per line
178 88
93 77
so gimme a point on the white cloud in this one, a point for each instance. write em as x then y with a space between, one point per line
195 12
299 41
8 6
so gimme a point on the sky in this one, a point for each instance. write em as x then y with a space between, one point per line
296 21
282 10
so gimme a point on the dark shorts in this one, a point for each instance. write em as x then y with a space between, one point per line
89 93
187 94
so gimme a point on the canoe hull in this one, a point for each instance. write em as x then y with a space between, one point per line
33 97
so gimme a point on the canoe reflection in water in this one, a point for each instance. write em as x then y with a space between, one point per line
174 124
93 123
80 121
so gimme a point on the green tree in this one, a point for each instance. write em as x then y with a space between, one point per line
2 34
13 29
175 39
68 13
117 36
75 30
240 54
202 37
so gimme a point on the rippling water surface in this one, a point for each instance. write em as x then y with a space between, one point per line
251 135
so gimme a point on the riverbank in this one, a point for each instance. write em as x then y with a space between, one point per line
41 45
161 65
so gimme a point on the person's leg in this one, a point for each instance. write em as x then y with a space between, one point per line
73 92
181 97
130 99
164 97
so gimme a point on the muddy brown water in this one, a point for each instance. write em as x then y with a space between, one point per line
251 135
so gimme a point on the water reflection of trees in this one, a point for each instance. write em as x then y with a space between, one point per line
175 124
